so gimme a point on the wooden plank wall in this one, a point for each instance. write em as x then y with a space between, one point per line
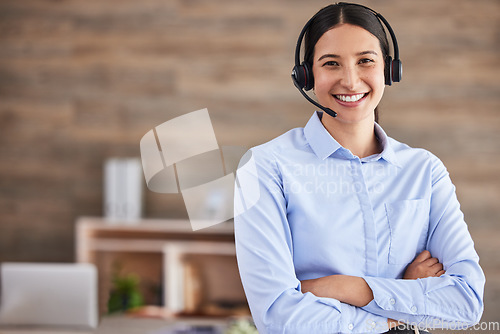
81 81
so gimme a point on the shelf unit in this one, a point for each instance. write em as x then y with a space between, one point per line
156 250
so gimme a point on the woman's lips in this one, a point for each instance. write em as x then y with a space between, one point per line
350 100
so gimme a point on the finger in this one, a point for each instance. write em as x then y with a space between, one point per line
431 261
440 273
423 256
436 267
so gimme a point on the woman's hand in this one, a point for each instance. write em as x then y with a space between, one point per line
424 266
393 323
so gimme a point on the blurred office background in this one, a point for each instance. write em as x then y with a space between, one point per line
82 81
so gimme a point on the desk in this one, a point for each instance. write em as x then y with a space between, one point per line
119 324
127 325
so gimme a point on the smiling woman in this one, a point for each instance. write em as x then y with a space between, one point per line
353 231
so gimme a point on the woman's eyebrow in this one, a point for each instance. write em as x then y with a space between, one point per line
331 55
328 55
367 52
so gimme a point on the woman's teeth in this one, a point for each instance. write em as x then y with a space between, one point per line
349 98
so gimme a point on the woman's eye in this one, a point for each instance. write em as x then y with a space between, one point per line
331 63
366 61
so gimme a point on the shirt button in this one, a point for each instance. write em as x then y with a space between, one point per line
392 301
413 309
373 324
351 326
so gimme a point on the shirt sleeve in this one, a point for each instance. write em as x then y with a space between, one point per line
454 300
265 259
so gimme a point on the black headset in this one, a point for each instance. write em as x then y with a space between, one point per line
302 74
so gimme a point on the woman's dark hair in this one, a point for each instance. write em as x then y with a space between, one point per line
335 14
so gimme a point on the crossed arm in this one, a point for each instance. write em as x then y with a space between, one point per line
355 291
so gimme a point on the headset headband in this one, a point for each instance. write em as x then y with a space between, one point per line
386 24
377 15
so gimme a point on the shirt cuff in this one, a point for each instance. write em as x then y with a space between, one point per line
401 300
357 320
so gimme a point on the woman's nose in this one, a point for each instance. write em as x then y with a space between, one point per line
350 78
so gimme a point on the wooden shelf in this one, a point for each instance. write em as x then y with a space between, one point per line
156 250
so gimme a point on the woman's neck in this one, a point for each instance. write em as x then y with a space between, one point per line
359 137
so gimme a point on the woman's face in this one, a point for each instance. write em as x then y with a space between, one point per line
348 70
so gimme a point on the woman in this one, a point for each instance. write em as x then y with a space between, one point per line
352 231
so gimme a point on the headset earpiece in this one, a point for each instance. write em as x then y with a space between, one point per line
303 77
388 70
298 76
309 76
393 70
397 70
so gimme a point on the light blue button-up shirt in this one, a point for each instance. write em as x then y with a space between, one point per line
323 211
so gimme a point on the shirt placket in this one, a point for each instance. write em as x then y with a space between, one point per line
366 207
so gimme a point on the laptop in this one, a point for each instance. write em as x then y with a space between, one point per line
43 294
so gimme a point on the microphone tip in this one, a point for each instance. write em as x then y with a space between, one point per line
331 112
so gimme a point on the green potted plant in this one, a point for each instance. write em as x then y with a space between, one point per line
125 294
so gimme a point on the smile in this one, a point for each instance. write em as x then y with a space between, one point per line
350 98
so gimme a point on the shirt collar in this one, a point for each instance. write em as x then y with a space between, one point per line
324 145
387 153
321 142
